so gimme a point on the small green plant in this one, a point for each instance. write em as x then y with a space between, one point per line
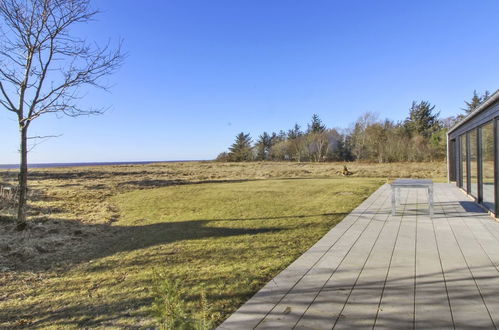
170 310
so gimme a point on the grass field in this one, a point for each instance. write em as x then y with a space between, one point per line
97 234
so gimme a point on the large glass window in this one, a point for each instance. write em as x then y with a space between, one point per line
487 160
464 167
473 163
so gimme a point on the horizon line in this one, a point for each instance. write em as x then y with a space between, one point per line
82 164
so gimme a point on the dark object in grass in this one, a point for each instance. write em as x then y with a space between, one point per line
21 226
345 171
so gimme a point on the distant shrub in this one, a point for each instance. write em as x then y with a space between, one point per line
8 197
223 157
170 310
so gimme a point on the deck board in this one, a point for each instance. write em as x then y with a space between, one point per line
375 270
396 309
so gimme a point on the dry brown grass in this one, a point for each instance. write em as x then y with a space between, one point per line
82 193
71 243
84 196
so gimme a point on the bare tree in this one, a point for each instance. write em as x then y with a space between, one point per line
318 145
43 67
359 136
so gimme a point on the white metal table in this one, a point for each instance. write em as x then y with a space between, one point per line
411 183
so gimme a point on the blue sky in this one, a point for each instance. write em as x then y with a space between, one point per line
199 72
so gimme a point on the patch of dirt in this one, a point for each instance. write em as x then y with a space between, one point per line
48 243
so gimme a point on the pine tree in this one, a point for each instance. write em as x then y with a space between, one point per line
294 133
241 149
281 136
264 144
475 101
422 119
316 126
343 150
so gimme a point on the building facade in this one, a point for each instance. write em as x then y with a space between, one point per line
472 154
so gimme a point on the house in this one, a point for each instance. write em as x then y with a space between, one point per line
472 154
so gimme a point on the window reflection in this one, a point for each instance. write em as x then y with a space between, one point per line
464 172
473 163
487 160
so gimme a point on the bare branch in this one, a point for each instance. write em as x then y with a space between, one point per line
43 137
6 106
11 106
45 51
42 140
10 77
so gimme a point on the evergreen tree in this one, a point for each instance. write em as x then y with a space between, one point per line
316 126
264 144
475 101
281 136
422 119
343 150
438 144
294 133
241 149
223 157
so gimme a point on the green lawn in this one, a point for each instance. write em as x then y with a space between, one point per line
226 239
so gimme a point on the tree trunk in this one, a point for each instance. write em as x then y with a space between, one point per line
23 179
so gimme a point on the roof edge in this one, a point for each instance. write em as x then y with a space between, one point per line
492 99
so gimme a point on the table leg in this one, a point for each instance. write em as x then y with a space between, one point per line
397 197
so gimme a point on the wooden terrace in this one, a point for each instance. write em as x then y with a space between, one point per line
375 270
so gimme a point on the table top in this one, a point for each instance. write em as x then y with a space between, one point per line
412 182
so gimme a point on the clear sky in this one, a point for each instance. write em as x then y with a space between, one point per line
199 72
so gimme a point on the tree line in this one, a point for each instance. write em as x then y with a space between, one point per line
420 137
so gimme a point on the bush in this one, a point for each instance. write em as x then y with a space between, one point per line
169 307
223 157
